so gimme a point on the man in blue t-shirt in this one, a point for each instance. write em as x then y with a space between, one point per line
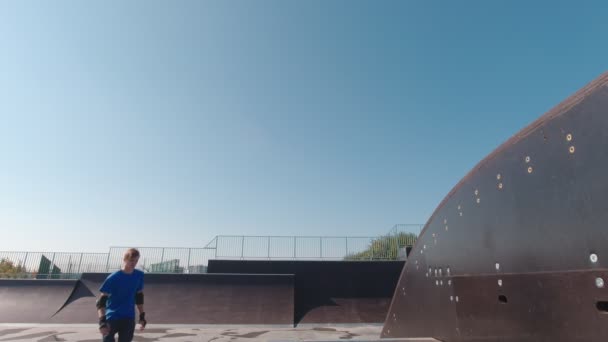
120 292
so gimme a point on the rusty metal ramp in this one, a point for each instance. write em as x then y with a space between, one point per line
518 250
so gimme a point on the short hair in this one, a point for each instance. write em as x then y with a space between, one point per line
130 254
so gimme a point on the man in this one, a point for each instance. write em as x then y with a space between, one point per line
120 292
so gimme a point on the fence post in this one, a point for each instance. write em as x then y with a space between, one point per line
51 267
108 261
242 246
80 263
294 247
162 255
269 247
25 262
189 252
346 242
321 246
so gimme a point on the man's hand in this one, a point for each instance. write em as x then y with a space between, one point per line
142 321
104 327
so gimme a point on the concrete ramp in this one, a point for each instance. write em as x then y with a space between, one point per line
32 300
196 299
329 291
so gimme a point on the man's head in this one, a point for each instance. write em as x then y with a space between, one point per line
130 259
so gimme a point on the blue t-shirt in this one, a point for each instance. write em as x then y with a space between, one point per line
121 288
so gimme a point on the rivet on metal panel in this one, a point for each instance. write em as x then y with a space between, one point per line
440 272
430 270
478 200
447 271
530 169
571 149
449 282
498 176
461 213
441 282
451 298
599 282
446 228
497 266
499 282
527 159
476 192
435 272
437 282
569 137
593 258
458 207
456 298
500 185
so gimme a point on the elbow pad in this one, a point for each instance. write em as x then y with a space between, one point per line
139 298
101 302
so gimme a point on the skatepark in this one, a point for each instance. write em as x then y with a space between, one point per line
497 261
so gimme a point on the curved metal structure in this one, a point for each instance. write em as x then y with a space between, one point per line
518 250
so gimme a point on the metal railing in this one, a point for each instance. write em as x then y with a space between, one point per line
52 265
309 247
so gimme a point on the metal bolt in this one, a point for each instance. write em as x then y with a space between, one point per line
451 298
571 149
593 258
456 298
446 228
478 200
530 169
527 159
449 282
569 137
461 213
500 185
499 282
498 176
497 266
476 192
447 271
437 282
440 272
441 282
599 282
458 207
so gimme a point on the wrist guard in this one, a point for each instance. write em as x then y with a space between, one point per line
103 323
142 319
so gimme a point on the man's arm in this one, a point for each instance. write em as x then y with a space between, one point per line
139 301
101 313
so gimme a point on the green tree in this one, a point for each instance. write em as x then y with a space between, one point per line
8 269
384 248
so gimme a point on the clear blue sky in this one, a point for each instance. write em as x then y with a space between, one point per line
155 123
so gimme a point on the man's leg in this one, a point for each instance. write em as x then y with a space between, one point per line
113 330
126 330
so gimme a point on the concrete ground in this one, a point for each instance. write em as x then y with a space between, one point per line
89 333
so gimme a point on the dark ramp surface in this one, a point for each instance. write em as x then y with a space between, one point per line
80 306
197 299
32 300
518 250
329 291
